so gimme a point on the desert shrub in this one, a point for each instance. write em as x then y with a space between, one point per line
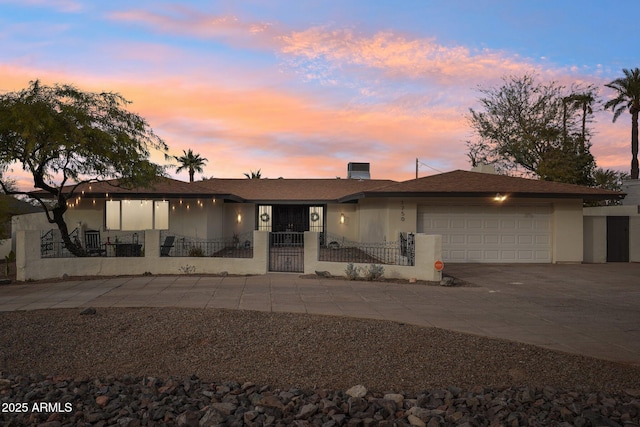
196 251
374 272
352 272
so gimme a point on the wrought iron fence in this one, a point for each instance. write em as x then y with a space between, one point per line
338 249
112 245
237 246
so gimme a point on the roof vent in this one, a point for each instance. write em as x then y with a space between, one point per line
358 171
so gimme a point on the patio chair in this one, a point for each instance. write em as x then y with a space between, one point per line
167 245
92 243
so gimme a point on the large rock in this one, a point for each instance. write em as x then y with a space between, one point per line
357 391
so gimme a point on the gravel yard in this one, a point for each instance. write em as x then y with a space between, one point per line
117 367
285 350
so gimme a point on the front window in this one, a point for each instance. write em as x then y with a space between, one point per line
136 215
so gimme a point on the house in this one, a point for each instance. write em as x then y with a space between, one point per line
459 216
612 233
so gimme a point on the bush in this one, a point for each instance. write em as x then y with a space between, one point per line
196 251
374 272
352 272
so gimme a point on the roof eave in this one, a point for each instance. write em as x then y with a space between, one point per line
582 196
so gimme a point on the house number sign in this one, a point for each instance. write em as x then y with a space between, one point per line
402 210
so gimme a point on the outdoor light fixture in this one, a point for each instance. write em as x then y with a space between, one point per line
239 217
500 198
341 218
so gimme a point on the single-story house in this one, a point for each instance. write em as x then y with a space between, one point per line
481 217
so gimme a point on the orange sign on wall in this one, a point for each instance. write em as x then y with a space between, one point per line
439 265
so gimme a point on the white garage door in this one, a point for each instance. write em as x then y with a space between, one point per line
490 233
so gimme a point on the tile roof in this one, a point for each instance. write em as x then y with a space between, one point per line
466 183
302 190
450 184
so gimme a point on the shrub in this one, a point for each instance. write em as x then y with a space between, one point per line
187 269
374 272
352 272
196 251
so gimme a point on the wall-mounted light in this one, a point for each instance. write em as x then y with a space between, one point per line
500 197
239 217
341 218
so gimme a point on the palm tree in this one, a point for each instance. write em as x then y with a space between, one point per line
628 97
191 162
253 175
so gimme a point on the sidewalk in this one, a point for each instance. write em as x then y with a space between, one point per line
592 310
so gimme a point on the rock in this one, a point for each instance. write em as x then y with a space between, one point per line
188 419
323 273
357 391
633 392
102 401
270 402
415 421
211 418
88 311
307 411
398 398
225 408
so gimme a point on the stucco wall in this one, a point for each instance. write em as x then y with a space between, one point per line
595 239
30 266
348 229
567 226
428 249
595 231
373 225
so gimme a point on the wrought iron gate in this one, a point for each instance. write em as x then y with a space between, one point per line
286 252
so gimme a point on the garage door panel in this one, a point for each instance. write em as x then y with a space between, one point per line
490 233
491 239
525 240
474 239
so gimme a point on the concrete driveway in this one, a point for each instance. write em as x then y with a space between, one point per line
592 310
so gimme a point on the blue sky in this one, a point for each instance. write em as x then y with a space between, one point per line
301 88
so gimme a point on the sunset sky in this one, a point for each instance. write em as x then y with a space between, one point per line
300 88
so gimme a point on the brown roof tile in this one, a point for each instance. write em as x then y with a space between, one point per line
291 189
456 183
461 183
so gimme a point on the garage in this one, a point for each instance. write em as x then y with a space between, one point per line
491 234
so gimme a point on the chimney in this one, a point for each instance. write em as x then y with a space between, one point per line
358 171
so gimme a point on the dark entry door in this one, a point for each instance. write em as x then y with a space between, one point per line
617 239
290 218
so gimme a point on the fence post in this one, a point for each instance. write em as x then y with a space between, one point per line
261 250
27 251
311 247
152 243
428 251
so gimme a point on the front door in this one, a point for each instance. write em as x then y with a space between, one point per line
617 239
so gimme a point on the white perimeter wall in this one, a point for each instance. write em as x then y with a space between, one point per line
30 266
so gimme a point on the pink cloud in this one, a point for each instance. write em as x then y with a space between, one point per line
187 21
399 56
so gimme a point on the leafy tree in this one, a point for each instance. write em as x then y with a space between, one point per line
65 137
191 162
609 180
627 97
534 128
253 175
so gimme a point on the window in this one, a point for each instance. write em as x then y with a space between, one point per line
136 215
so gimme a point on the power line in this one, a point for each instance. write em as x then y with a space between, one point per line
418 163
